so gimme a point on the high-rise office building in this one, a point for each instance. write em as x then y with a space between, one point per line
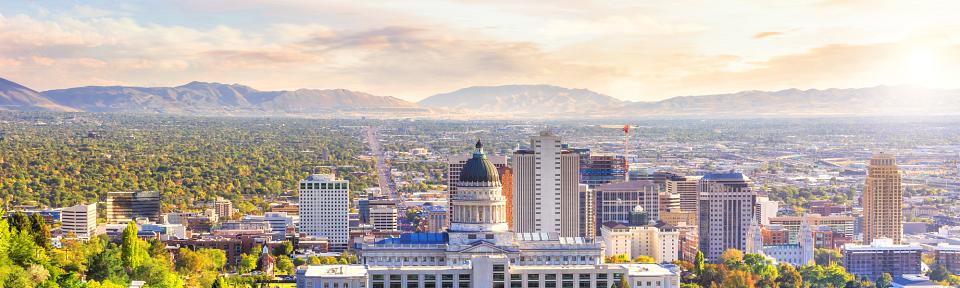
669 202
686 187
765 209
882 200
324 209
588 215
726 213
383 215
79 220
455 164
546 187
506 180
616 201
123 207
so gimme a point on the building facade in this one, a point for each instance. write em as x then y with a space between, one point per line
123 207
948 256
882 255
840 224
686 187
546 187
324 209
79 220
616 201
882 200
662 243
726 213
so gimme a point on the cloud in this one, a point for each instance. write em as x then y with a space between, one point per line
766 34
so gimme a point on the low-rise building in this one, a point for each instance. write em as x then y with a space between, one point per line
659 242
947 255
882 256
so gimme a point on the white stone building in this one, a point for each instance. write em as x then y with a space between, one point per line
79 220
662 243
325 208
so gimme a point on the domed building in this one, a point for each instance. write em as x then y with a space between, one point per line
480 251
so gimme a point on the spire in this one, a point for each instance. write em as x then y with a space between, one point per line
479 152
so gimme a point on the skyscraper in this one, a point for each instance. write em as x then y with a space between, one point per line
123 207
506 180
324 209
546 187
882 200
726 213
686 186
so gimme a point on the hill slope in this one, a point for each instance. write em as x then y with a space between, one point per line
201 97
882 100
16 97
523 99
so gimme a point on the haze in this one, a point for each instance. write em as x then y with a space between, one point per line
411 50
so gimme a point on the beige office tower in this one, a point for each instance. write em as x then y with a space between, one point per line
546 196
686 186
882 200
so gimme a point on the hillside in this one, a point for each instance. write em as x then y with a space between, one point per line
16 97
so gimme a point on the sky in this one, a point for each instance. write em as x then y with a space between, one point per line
632 50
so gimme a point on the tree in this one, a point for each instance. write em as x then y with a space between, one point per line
644 259
41 233
733 258
623 283
885 281
836 276
738 279
248 263
789 277
313 260
619 258
698 264
824 257
157 248
133 250
107 265
939 273
284 264
284 249
219 283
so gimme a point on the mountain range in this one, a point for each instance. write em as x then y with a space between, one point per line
507 101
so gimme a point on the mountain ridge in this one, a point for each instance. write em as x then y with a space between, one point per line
536 101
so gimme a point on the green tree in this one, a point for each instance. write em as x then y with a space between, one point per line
788 276
248 263
824 257
644 259
939 273
107 265
836 276
698 263
40 231
284 264
133 249
284 249
313 260
885 281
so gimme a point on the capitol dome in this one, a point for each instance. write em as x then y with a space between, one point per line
479 169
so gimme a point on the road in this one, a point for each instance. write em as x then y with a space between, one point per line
383 173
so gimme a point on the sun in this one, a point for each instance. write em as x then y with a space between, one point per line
921 66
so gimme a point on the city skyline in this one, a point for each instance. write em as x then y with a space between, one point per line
633 51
